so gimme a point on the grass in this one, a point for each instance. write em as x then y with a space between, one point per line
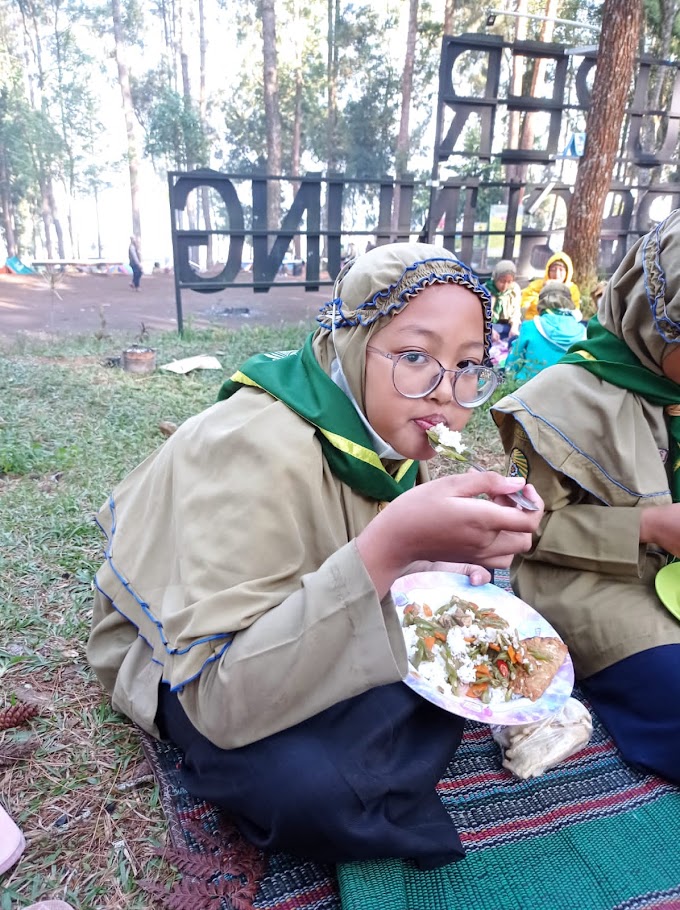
70 429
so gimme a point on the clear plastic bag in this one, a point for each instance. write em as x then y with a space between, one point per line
530 749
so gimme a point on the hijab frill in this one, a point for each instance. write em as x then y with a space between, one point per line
373 289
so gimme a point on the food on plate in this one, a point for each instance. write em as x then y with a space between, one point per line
475 652
544 658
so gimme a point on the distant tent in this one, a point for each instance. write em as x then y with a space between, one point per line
15 265
575 147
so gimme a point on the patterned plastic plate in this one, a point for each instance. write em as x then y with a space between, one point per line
435 589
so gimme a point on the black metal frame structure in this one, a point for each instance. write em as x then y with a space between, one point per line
316 211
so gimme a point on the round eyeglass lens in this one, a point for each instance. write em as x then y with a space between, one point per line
474 385
415 374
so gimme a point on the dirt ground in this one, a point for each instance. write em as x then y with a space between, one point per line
86 303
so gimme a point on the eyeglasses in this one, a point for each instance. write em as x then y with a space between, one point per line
416 375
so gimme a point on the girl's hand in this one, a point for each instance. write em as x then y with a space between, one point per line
660 525
528 490
443 520
478 575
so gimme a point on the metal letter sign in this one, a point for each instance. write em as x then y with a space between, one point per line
316 218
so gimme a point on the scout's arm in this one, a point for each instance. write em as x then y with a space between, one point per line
578 533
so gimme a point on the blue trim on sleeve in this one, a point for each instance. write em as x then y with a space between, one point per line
146 609
580 451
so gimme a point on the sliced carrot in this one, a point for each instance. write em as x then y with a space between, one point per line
477 689
482 670
427 610
512 654
440 636
494 647
429 642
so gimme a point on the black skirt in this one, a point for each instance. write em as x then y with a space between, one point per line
356 781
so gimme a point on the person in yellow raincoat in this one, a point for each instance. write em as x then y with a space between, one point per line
558 268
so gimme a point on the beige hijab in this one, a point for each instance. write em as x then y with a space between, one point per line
373 288
641 303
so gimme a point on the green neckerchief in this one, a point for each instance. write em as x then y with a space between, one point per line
296 379
605 355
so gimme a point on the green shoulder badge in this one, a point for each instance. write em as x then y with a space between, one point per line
519 464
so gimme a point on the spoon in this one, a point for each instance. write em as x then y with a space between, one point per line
519 498
459 455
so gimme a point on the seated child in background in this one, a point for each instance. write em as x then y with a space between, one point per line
543 340
506 301
597 435
558 268
244 609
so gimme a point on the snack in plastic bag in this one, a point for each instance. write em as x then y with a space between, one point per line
530 749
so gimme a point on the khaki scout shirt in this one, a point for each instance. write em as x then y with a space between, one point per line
237 525
595 453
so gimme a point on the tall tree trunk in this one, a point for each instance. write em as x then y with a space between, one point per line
167 33
52 202
516 79
669 11
95 193
186 83
44 162
332 57
190 163
538 76
205 191
297 112
128 113
521 132
46 216
65 132
449 16
403 138
272 113
332 81
621 21
7 207
202 48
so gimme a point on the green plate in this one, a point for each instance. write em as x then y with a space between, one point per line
667 583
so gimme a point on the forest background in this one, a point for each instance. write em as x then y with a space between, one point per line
99 100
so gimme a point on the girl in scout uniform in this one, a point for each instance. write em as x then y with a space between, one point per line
597 434
244 612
